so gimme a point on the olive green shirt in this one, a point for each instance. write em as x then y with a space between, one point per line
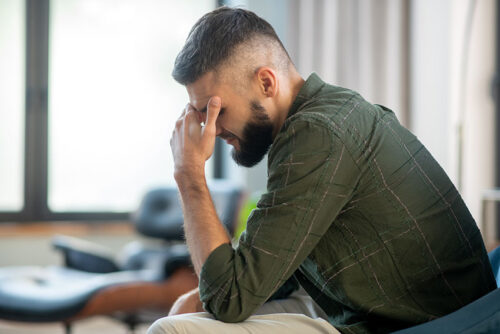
361 214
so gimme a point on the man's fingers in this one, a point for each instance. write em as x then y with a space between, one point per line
213 110
191 123
200 116
186 109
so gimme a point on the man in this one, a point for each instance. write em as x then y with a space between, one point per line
356 209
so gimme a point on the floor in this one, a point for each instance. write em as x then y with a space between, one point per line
89 326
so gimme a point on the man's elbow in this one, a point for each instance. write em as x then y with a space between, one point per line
231 313
234 318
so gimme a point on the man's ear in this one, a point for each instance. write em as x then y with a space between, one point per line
267 81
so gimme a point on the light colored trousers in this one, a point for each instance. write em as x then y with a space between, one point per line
296 314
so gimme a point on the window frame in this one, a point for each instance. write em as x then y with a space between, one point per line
35 208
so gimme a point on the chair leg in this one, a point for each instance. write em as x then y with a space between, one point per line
67 328
131 324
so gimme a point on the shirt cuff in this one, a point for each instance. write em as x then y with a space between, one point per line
215 272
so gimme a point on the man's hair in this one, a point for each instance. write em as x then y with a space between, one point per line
214 38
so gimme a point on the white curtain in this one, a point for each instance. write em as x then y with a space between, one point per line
430 61
358 44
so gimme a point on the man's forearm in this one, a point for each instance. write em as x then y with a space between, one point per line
187 303
192 145
203 229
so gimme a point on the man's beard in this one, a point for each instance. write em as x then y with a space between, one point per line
257 137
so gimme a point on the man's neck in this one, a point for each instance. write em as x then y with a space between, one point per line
293 84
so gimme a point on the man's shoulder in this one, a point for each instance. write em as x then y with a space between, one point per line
304 133
323 116
329 99
317 123
332 108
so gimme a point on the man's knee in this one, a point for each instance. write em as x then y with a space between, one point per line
163 326
182 323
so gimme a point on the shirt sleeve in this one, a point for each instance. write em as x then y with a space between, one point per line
311 177
291 285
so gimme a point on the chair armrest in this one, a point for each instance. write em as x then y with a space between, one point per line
178 257
83 255
166 259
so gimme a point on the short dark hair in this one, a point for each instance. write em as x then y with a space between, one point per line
213 39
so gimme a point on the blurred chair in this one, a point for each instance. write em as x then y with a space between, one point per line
138 285
480 316
488 226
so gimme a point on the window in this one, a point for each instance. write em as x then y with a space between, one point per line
100 104
112 101
12 104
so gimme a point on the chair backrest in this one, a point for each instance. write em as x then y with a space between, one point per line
480 316
494 256
160 212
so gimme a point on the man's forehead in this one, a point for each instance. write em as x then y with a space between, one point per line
201 90
199 102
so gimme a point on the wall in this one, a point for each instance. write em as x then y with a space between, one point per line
479 115
451 106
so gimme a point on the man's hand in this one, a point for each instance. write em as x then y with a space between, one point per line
187 303
193 144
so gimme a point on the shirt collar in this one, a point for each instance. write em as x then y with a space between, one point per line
310 88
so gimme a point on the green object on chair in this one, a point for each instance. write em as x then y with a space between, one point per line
247 208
